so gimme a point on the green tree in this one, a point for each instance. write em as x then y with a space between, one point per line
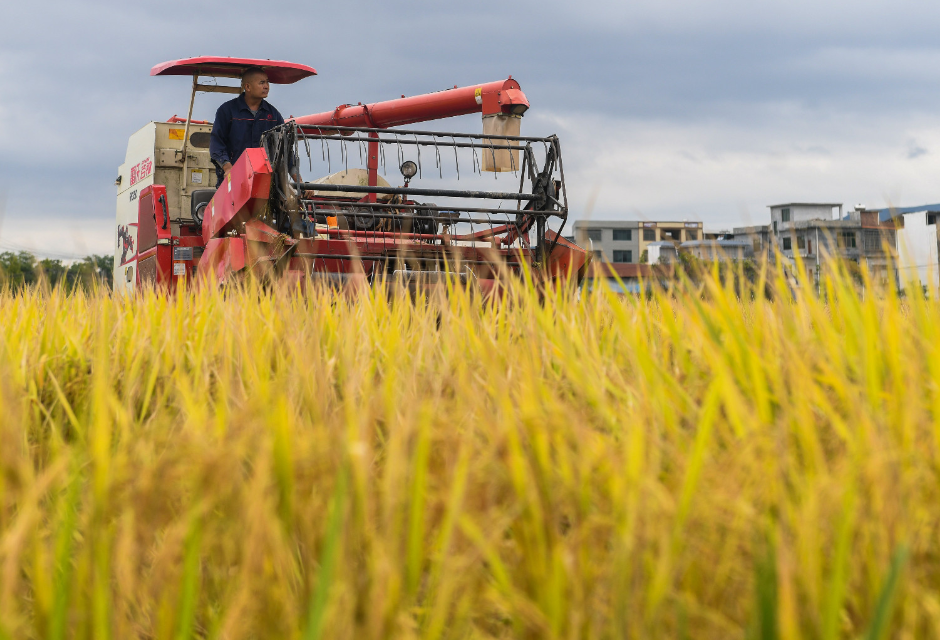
22 269
52 270
105 267
84 273
17 269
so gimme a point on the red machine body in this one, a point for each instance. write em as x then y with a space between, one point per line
162 256
241 196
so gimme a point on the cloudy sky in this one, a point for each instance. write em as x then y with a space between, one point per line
667 109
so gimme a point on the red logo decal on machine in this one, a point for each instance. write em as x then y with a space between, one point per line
141 170
125 241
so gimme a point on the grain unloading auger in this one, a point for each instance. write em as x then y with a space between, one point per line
313 202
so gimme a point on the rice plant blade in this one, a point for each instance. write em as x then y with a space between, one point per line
189 590
320 594
64 550
885 606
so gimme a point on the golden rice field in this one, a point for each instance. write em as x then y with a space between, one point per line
251 464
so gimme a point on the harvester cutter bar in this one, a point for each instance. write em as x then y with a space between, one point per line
387 258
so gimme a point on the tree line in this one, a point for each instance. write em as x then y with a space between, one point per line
22 269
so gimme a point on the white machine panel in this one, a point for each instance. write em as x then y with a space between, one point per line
154 156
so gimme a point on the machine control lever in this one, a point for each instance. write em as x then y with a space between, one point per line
166 216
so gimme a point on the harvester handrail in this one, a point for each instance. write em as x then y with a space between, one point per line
303 128
489 195
423 143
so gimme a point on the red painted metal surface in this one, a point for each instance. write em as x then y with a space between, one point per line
222 257
241 196
153 239
504 96
279 71
566 259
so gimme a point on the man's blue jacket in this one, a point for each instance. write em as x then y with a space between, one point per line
236 129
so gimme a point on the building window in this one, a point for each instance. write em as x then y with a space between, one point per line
801 242
775 227
623 234
847 239
623 256
785 215
691 234
786 244
931 217
595 234
671 234
598 254
872 240
649 235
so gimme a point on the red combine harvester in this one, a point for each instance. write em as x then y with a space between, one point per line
348 223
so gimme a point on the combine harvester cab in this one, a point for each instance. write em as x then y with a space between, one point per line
345 221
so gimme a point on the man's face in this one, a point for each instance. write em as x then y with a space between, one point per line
256 86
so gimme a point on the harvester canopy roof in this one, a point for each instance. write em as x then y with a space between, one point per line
279 71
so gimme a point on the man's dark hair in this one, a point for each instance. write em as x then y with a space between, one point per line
251 71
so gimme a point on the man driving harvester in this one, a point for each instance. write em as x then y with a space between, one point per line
240 122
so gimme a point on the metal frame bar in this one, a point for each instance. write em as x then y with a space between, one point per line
421 143
405 191
218 88
410 132
189 118
395 216
424 207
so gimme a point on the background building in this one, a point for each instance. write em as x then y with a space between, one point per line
624 241
621 278
813 233
759 237
783 214
661 251
615 241
718 249
674 232
918 247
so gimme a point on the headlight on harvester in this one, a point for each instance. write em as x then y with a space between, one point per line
409 169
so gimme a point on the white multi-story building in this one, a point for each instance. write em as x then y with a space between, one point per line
818 232
782 214
918 246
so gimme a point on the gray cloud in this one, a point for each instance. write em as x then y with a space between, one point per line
914 150
672 108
